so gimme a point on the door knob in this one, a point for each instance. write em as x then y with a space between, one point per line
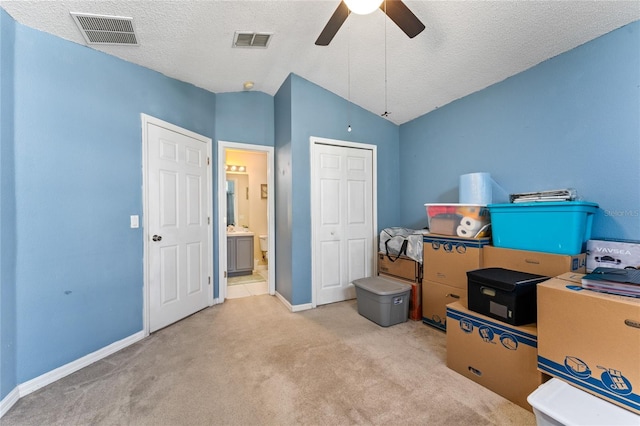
157 238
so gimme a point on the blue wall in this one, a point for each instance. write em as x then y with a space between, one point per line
78 174
283 183
572 121
8 337
70 156
315 111
245 117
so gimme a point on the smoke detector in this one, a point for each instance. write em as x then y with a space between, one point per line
105 29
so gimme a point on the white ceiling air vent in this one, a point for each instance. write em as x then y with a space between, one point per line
251 39
104 29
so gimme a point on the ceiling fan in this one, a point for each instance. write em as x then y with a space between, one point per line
395 9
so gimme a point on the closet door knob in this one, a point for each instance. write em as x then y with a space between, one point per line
157 238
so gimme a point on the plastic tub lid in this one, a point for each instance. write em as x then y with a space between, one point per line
454 205
546 204
381 286
572 406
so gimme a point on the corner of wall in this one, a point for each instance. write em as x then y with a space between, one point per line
8 330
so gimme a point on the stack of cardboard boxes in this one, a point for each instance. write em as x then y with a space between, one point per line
591 340
446 262
406 270
588 339
500 356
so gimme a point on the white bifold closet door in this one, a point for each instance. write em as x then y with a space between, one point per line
343 220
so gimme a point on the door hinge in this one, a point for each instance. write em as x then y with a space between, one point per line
208 220
225 274
208 161
209 280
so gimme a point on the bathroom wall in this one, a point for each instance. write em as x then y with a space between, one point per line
256 219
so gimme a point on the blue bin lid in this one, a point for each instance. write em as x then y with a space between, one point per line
546 204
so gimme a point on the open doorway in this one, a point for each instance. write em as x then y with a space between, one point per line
246 220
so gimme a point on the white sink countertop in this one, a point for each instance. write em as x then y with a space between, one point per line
239 233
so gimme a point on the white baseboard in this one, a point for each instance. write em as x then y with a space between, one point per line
293 308
47 378
8 401
299 308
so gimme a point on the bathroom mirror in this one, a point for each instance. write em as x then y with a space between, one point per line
237 186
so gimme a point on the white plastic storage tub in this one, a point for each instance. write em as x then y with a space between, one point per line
556 403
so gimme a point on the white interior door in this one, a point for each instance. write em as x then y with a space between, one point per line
177 225
343 220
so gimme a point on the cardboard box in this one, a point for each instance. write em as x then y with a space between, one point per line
533 262
613 254
444 224
590 340
415 297
498 356
447 259
402 267
435 298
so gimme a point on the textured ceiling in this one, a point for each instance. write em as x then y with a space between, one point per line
466 46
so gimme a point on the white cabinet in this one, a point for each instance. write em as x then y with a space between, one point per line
239 255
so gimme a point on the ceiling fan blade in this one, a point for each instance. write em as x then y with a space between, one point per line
403 17
334 24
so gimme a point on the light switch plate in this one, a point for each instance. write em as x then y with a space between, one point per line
135 221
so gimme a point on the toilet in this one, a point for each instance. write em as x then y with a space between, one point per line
264 246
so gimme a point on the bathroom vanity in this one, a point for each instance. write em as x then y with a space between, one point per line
239 253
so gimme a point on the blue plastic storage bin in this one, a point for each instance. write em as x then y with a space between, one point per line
561 227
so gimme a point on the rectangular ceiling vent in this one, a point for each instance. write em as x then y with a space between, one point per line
251 39
104 29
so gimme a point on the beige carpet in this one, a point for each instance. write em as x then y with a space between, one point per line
252 362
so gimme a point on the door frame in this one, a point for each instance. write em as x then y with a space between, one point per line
222 214
146 120
313 141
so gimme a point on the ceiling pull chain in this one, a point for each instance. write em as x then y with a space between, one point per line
386 111
349 77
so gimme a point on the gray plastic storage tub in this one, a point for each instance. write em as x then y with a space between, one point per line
383 301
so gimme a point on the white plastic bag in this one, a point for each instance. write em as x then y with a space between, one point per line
396 242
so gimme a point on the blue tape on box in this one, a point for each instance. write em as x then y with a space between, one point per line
611 384
491 332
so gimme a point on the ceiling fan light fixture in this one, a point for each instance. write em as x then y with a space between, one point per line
363 7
